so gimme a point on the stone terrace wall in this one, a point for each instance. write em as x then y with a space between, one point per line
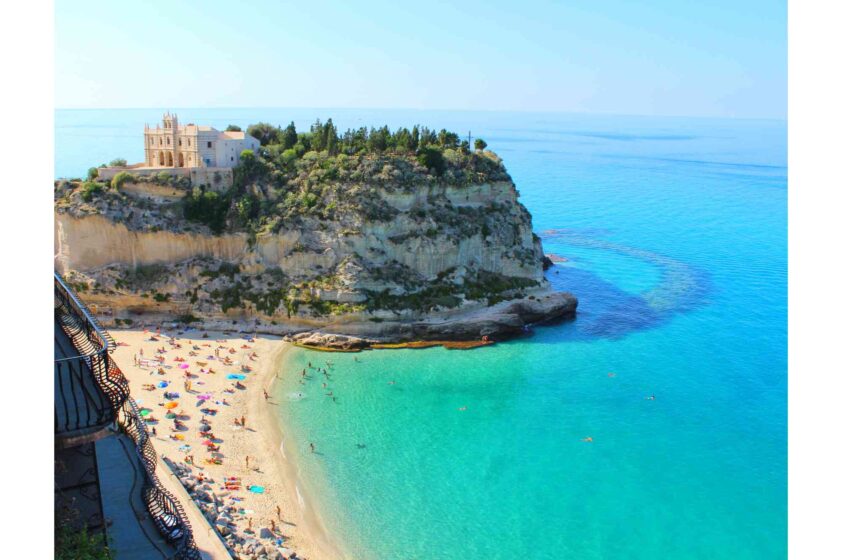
216 178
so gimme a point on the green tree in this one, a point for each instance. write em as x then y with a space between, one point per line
447 139
479 144
93 173
413 138
264 132
289 136
233 128
431 158
119 162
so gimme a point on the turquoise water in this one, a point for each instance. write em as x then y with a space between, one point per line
675 231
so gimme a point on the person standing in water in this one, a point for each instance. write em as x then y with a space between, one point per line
312 447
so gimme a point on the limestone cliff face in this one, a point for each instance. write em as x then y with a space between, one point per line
444 251
89 242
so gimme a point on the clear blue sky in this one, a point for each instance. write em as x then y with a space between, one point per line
659 57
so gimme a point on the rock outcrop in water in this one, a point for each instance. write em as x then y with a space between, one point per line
335 250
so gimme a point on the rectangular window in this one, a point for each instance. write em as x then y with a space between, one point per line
179 141
210 144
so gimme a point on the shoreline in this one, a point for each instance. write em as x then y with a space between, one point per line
299 525
286 460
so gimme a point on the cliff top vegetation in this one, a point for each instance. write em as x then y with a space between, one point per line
321 174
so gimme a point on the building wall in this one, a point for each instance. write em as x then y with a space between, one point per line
229 149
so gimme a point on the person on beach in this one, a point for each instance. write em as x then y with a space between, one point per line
278 511
243 421
247 461
312 447
272 524
265 395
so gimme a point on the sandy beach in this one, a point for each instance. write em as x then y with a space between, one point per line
216 381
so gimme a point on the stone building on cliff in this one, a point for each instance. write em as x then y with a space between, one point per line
191 145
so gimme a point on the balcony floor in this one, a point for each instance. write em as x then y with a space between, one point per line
132 533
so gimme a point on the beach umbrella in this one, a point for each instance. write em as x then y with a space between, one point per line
184 366
170 415
145 411
207 442
163 384
171 405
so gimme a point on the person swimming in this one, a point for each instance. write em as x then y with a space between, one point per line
651 397
588 439
464 408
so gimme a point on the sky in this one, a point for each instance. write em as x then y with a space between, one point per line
712 58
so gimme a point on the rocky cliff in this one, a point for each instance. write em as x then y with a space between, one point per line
383 250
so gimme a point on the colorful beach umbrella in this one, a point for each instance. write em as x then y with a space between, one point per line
171 405
184 366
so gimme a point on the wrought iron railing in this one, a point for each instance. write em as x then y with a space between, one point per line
96 345
89 386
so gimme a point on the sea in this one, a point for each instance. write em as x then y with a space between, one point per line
653 426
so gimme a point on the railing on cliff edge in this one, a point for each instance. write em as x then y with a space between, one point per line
96 346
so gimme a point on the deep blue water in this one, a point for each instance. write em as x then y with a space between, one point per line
675 235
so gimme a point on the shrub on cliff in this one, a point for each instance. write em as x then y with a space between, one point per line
431 158
89 189
118 162
93 173
120 179
207 207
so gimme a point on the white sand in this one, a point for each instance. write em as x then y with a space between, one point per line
260 440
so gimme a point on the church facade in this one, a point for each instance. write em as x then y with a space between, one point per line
174 145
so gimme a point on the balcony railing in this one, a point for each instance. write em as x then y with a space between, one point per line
91 392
